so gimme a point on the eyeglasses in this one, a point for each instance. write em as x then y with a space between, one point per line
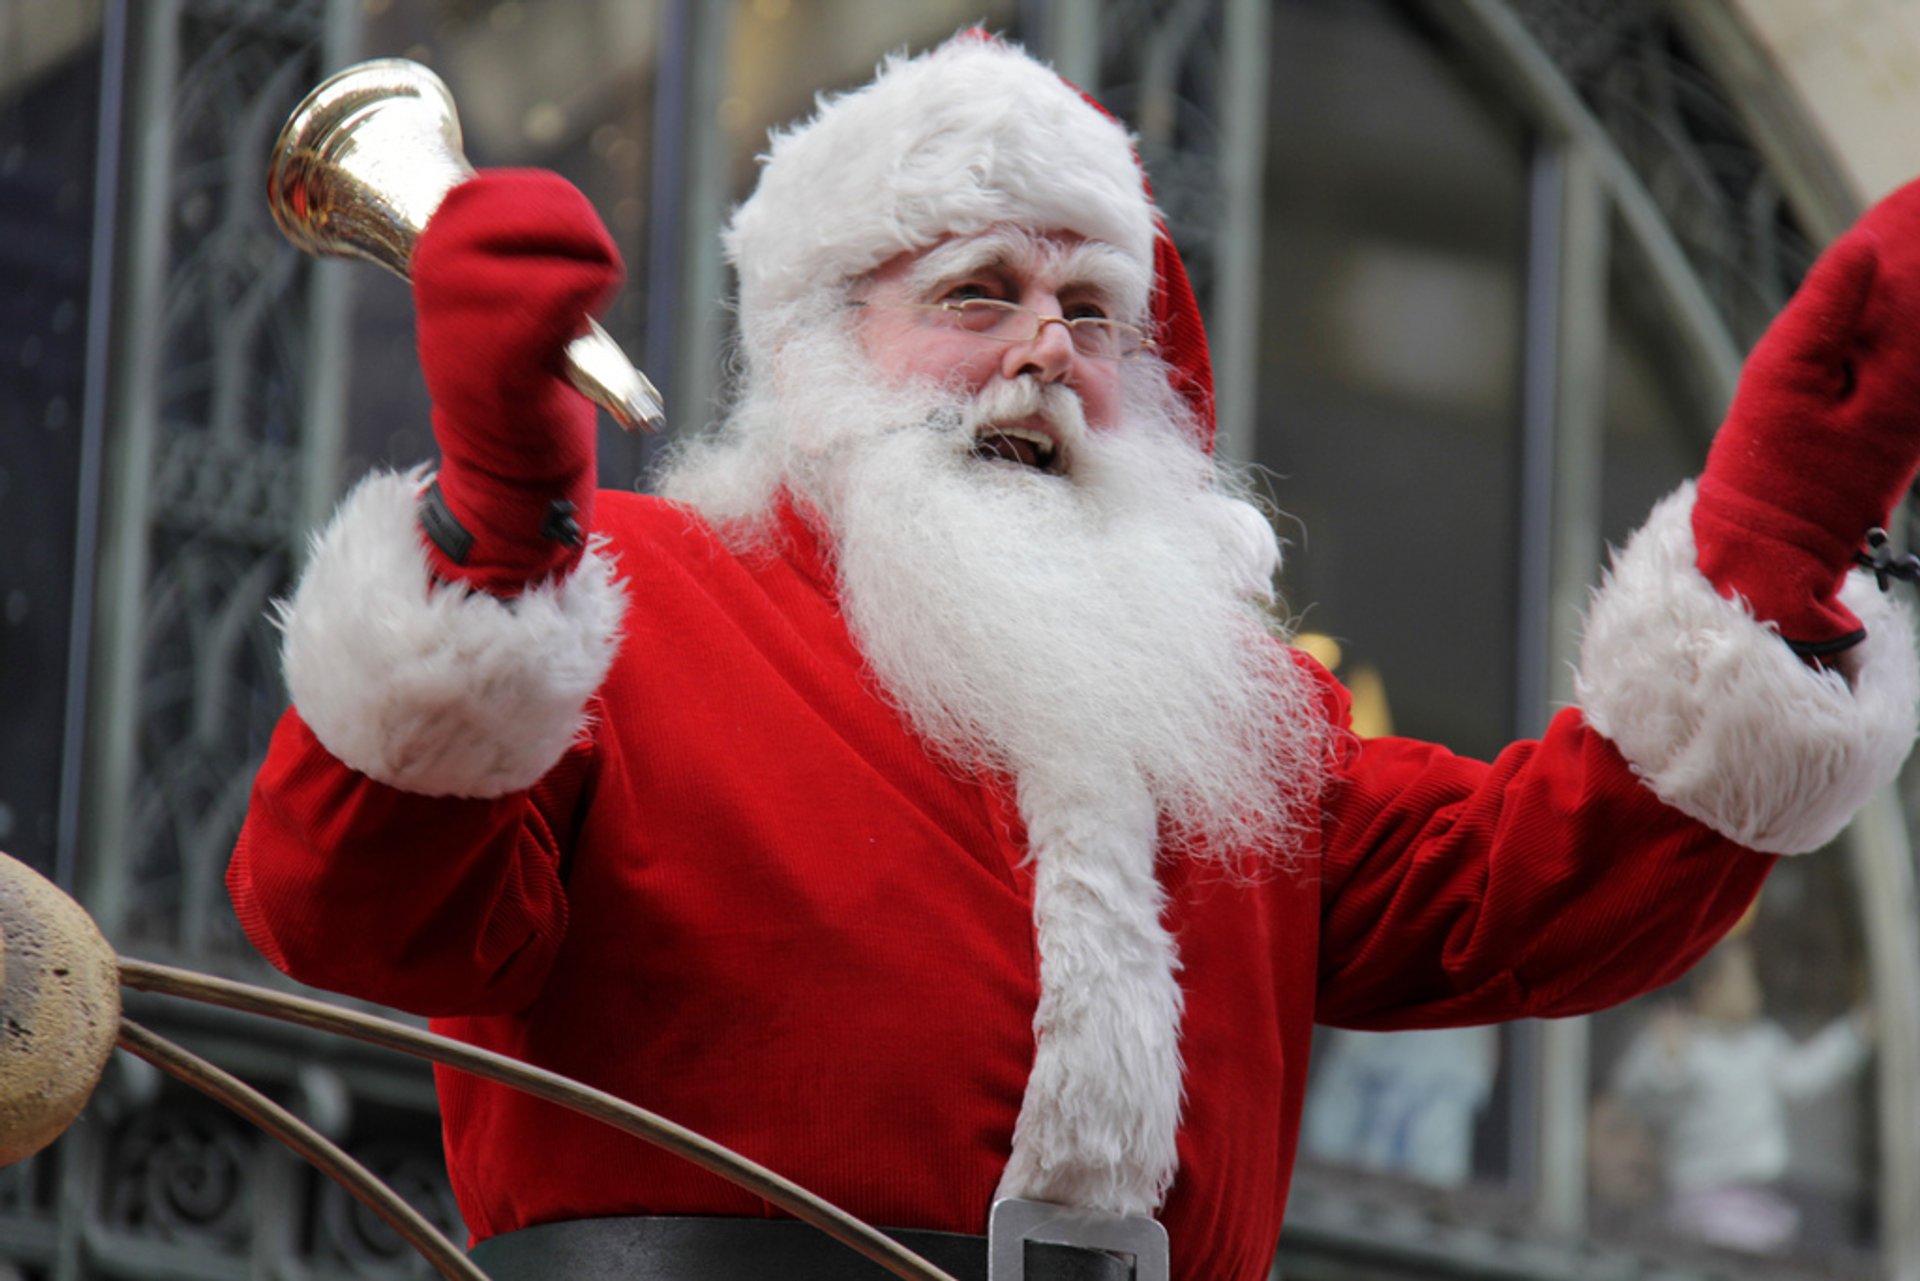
1009 322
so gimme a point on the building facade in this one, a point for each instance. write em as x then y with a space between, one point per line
1478 276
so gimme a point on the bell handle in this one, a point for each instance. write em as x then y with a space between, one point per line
601 372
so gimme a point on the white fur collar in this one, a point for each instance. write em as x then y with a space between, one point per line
1102 1106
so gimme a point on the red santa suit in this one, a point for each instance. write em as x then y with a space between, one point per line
651 825
750 900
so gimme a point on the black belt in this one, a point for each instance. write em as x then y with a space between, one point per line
693 1249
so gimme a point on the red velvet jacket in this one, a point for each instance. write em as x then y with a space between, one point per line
752 902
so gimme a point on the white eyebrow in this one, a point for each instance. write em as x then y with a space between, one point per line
1082 264
1104 268
956 258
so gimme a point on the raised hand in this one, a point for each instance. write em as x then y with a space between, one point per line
505 275
1823 436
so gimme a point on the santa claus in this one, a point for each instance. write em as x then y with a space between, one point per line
918 796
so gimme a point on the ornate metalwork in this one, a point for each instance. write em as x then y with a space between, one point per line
353 1237
1676 127
1190 77
249 1104
180 1175
222 500
25 1189
185 1178
1159 70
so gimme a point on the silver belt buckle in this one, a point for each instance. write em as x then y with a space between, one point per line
1016 1221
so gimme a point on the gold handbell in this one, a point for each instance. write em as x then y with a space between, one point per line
359 168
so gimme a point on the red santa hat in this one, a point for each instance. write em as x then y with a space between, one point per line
971 134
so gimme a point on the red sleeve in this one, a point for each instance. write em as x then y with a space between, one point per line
1550 882
437 905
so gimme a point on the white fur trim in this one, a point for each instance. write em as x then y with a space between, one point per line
1720 718
968 135
428 687
1102 1105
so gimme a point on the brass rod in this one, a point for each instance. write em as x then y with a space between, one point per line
184 1065
166 980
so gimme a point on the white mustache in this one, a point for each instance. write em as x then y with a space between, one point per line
1006 401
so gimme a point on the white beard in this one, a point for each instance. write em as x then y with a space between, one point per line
1097 636
1080 628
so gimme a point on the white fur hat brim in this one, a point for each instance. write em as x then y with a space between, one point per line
968 135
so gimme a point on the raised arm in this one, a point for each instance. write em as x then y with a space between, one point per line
445 640
1738 691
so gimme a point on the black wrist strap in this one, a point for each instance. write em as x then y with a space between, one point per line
456 542
448 534
1827 648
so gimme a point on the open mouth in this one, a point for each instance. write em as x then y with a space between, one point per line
1024 446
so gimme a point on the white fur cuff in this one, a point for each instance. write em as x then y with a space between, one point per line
1721 719
431 688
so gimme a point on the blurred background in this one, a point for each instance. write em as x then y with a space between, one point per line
1478 276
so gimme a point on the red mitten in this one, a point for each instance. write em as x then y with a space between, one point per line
505 275
1823 436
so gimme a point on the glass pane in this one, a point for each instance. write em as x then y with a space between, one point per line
1401 1103
1733 1110
1659 415
49 93
1393 265
1393 261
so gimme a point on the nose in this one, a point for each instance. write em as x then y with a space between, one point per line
1047 356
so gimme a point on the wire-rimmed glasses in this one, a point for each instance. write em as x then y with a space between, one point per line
1009 322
